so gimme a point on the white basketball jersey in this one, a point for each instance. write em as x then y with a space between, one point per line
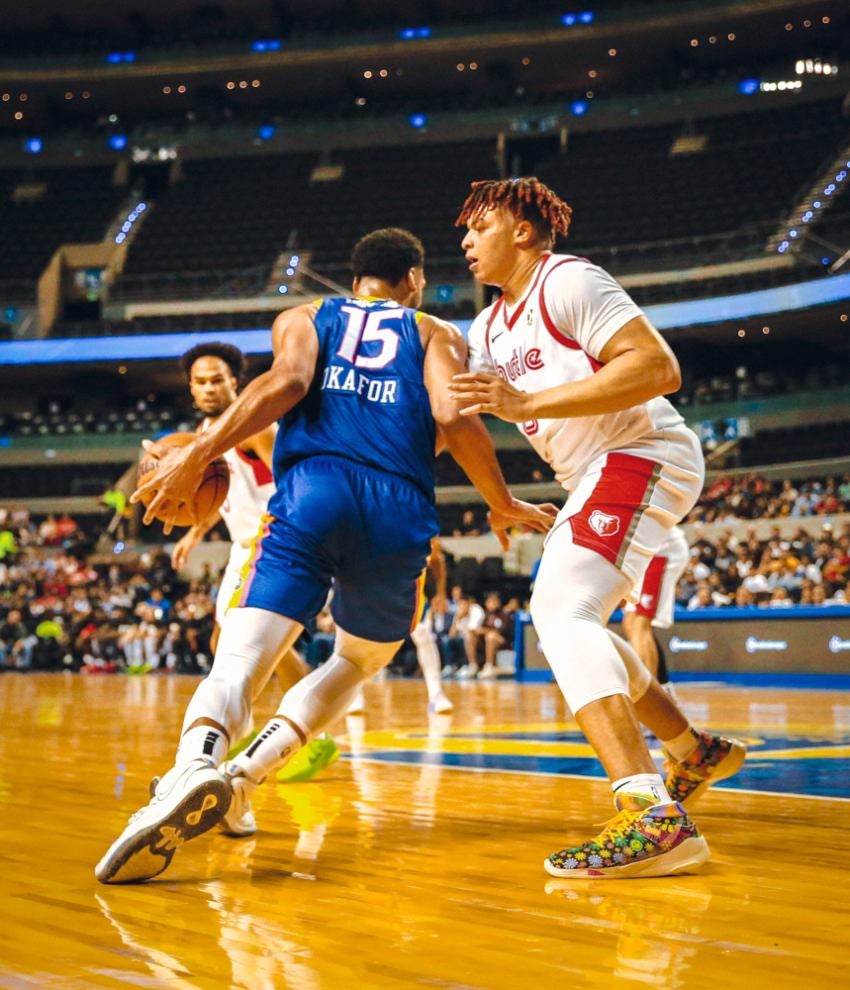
555 335
251 486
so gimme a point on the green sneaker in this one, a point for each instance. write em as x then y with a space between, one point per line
244 744
309 760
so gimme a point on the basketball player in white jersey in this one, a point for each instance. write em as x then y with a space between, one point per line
654 604
213 371
567 355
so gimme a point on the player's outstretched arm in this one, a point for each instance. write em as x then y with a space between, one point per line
466 437
265 400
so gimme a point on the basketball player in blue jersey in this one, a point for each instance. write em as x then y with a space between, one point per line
212 372
359 386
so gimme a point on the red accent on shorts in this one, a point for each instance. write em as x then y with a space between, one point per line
651 587
604 520
549 323
262 475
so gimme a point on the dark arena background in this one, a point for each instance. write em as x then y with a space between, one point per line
181 172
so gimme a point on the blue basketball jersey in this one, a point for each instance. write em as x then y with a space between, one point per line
368 401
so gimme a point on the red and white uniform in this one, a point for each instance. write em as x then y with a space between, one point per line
656 596
632 474
251 486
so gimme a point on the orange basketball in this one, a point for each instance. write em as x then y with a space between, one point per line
211 491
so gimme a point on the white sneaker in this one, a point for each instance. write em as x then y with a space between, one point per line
358 704
188 801
487 673
467 673
239 821
440 704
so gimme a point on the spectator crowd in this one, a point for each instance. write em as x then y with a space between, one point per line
809 567
755 497
64 606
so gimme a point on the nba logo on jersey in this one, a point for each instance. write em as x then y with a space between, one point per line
603 524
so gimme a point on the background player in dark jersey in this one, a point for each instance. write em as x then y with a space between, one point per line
359 385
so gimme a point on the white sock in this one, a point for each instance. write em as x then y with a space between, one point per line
307 707
202 740
276 743
647 786
683 745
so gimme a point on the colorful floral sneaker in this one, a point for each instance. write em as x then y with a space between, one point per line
656 842
715 758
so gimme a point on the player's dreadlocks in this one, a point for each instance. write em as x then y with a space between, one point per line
527 198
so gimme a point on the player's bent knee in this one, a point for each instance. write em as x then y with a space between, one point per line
639 676
421 635
368 655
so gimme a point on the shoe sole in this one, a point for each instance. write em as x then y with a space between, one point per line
443 708
728 768
147 853
685 858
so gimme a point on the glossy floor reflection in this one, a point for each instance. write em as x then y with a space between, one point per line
417 859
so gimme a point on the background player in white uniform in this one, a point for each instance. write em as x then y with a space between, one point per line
569 357
213 371
654 604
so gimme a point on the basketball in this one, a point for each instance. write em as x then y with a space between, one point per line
211 491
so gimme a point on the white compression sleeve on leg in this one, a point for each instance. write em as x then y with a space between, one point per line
314 702
429 658
575 593
307 707
639 676
249 648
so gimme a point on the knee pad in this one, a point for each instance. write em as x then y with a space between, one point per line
575 593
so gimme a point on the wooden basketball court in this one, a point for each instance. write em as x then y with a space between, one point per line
416 860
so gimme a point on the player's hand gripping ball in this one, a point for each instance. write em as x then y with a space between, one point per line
212 486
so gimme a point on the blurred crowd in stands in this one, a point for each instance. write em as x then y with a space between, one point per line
63 605
809 567
755 497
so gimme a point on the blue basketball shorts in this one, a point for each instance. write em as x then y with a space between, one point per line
335 523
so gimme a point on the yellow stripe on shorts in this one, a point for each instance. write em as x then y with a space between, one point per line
246 575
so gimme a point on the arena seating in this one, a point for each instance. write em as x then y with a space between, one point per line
76 206
230 214
798 443
626 188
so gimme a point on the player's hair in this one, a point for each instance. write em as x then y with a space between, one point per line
387 254
527 198
232 357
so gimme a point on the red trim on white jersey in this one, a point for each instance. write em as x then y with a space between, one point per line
497 305
262 474
549 323
510 321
